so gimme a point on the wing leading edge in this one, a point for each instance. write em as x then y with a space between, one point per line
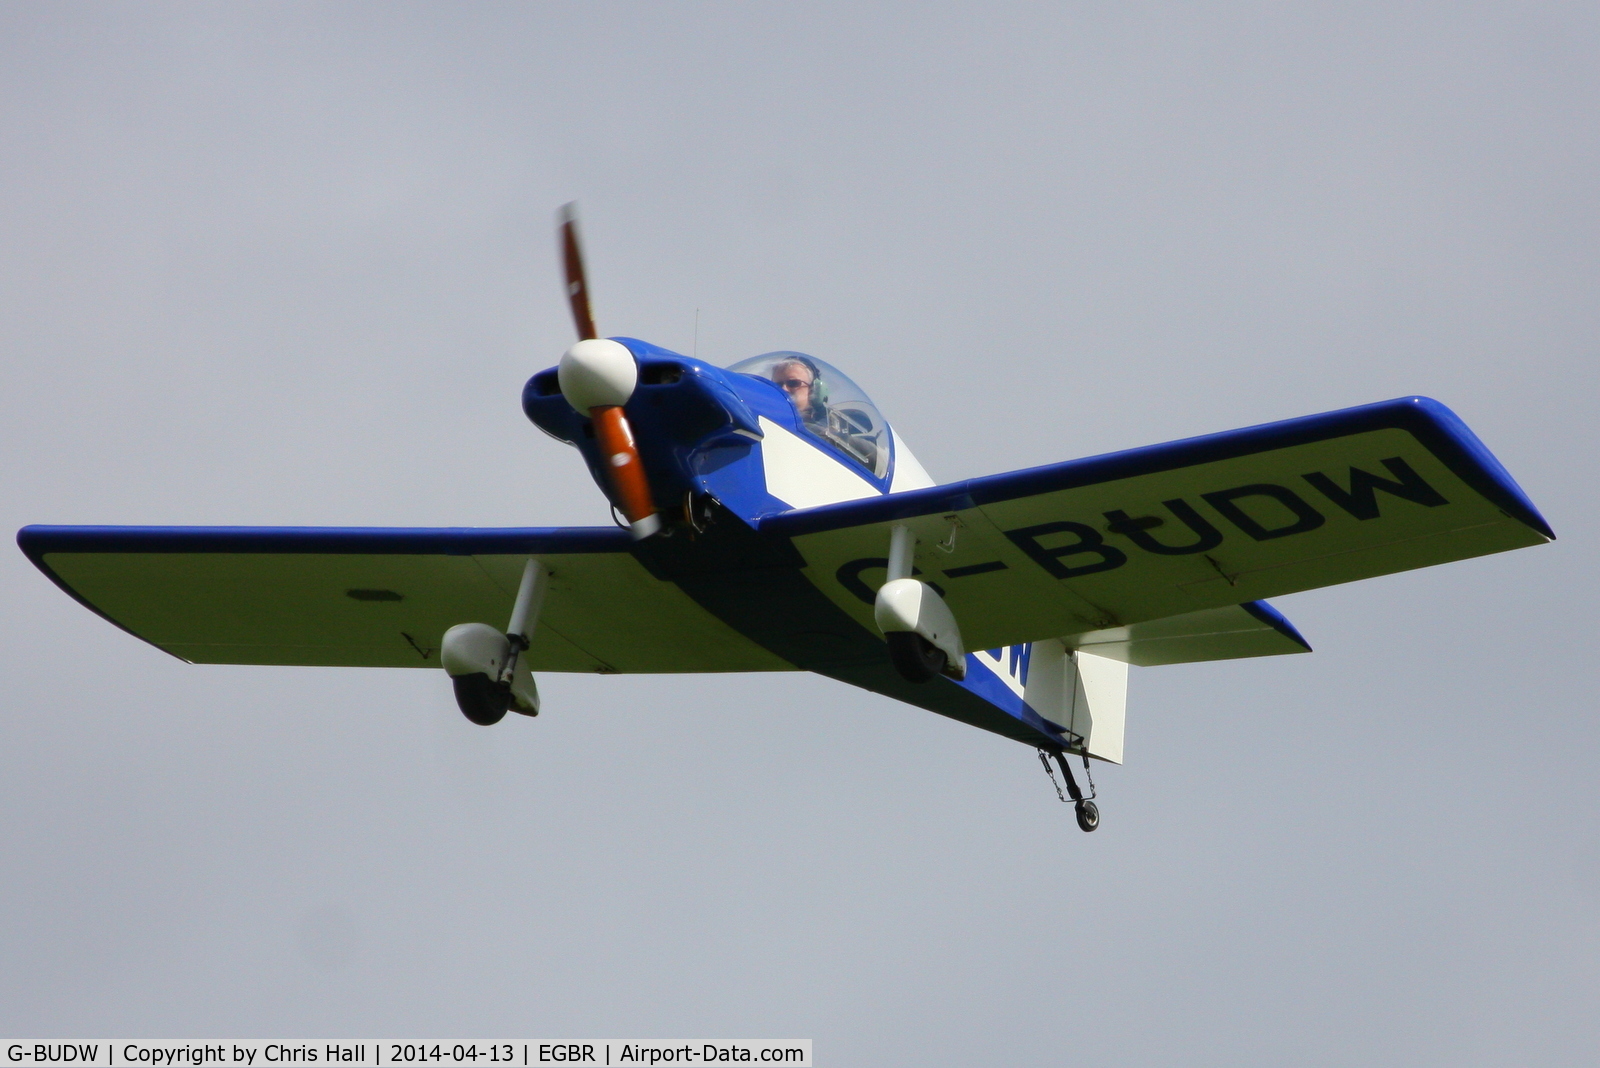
373 597
1123 540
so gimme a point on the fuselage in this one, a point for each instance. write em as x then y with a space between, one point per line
723 449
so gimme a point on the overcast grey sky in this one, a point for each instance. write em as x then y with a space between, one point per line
291 263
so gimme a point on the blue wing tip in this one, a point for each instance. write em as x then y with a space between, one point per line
30 540
1454 429
1277 621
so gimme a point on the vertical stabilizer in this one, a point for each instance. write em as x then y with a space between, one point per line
1084 694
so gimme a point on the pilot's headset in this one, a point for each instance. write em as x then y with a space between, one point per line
819 385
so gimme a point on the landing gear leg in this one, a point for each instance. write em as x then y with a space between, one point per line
519 636
1087 812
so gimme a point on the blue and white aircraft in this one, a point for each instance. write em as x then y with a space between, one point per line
772 520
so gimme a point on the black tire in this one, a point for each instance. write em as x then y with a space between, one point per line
914 657
481 700
1088 814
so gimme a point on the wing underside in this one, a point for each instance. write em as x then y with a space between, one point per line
383 598
1102 545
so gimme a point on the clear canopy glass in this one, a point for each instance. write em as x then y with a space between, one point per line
830 405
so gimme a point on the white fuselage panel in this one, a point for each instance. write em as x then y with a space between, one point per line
908 474
802 476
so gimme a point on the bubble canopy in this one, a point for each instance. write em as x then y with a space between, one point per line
830 405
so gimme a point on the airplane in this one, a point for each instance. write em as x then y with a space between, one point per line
768 518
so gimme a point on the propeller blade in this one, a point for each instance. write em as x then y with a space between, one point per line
626 471
577 283
597 377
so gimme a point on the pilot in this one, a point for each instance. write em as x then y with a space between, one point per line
798 378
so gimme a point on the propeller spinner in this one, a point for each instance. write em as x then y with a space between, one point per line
597 377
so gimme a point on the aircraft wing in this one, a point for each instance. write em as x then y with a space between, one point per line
1113 542
366 597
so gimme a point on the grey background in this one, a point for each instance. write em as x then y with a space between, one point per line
290 264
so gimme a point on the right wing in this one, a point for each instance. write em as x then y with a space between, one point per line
1123 540
364 597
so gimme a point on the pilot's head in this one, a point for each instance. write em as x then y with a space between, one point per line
798 379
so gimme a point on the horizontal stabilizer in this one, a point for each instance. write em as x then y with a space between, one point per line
1255 629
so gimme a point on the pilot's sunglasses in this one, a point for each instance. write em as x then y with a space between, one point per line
793 383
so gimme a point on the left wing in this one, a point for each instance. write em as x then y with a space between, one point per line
1120 540
365 597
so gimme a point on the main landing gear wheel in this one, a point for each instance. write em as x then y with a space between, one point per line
1088 814
480 699
914 657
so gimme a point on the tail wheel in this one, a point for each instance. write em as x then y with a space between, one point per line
1088 814
480 699
914 657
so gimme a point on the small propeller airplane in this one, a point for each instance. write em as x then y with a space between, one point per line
772 520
